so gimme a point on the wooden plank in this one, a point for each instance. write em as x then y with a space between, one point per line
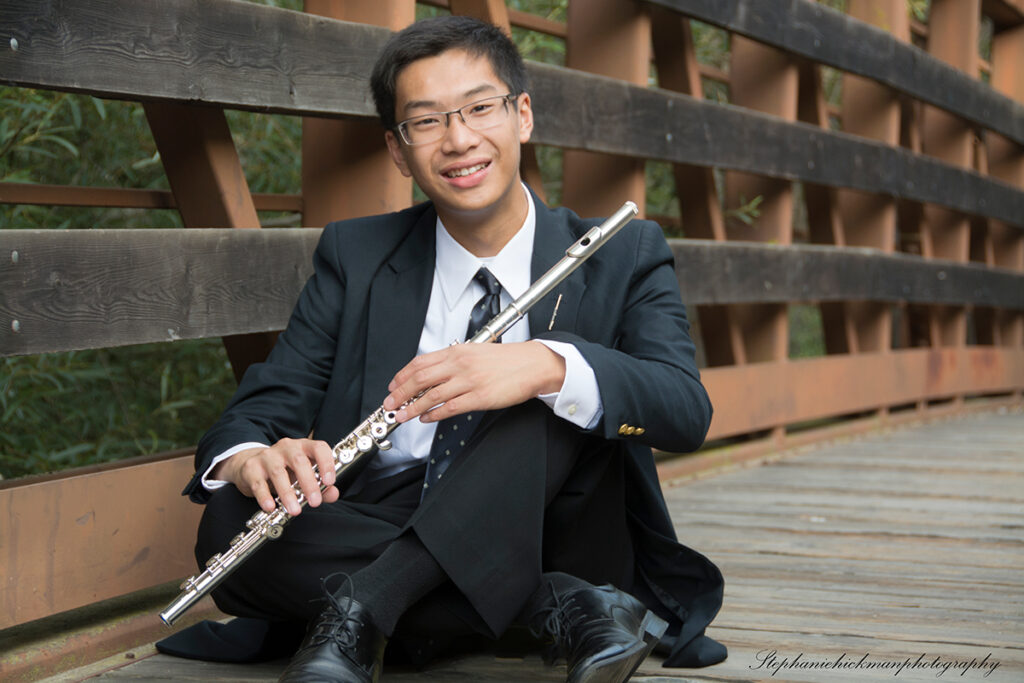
218 52
178 52
100 288
711 272
890 599
77 540
774 394
603 115
815 31
67 290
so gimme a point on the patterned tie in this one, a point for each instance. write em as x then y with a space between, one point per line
453 432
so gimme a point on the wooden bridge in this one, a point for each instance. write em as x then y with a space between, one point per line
902 543
898 554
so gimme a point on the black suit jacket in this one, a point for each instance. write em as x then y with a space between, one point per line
359 319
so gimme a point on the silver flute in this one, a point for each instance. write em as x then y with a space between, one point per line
353 451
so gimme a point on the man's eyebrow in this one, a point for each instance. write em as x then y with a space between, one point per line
433 105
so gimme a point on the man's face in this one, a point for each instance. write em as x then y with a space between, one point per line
489 158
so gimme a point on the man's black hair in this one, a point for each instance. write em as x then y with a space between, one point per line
431 37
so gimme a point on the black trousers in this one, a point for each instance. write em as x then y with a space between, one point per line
529 494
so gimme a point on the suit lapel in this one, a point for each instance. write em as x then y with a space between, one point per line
399 295
551 238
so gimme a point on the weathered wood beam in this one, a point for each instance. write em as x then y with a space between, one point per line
818 32
66 290
603 115
744 272
219 52
226 54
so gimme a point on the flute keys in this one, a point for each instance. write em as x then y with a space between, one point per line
378 430
364 444
384 445
237 540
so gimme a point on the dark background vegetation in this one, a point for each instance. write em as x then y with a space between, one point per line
69 409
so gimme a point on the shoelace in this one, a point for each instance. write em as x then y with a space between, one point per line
332 625
558 619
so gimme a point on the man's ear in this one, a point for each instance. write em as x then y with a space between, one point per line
397 153
525 117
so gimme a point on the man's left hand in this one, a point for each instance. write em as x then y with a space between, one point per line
468 377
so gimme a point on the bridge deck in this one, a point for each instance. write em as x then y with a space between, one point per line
893 549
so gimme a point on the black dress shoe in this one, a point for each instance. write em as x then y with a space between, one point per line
342 645
603 633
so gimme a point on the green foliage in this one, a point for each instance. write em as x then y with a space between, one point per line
64 139
919 9
70 409
806 335
747 212
270 149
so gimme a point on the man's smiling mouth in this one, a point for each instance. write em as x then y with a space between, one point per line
469 170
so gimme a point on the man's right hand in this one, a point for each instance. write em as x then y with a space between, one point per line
263 473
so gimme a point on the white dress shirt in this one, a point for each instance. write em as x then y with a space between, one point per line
452 297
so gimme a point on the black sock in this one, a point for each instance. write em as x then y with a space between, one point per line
543 598
395 581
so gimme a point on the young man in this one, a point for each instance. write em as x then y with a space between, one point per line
520 488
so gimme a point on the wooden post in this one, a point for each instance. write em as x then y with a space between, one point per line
611 38
1006 162
824 221
953 38
210 189
346 168
873 111
700 211
675 57
764 79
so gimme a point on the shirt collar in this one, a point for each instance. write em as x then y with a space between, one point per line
455 266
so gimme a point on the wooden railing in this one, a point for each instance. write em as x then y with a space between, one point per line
74 538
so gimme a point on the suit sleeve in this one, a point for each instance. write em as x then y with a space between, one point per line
280 397
647 377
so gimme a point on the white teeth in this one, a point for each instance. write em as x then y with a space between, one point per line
459 173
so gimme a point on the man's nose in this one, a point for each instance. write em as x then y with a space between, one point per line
458 135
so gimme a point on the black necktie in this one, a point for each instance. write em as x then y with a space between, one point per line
453 432
489 304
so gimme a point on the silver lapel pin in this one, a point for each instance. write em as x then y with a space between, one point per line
558 301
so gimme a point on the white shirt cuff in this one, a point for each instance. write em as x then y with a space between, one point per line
214 484
579 400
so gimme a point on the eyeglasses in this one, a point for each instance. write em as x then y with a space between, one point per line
480 115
